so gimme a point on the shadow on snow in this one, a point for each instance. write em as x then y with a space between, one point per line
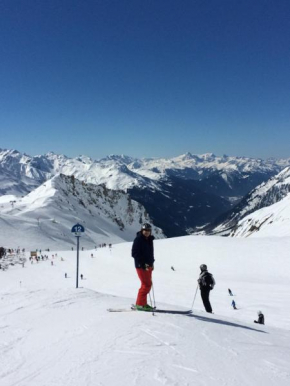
218 321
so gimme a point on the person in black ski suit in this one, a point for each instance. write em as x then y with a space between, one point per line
206 284
143 254
2 252
261 318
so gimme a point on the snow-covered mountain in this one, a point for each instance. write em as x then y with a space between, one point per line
204 164
273 220
47 214
180 193
123 172
266 206
18 175
112 172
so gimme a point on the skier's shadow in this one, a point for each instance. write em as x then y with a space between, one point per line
218 321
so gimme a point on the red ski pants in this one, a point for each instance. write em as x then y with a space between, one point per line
146 283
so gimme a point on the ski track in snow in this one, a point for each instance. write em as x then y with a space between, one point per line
173 351
52 334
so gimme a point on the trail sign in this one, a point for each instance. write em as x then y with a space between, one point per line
78 229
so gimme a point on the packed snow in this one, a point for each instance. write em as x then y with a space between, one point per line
52 334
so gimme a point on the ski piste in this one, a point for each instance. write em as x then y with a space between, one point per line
156 310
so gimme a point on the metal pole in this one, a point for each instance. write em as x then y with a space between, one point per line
78 239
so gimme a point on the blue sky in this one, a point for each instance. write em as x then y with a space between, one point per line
154 78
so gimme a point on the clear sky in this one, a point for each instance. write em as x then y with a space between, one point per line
146 78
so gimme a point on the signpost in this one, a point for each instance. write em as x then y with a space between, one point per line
78 229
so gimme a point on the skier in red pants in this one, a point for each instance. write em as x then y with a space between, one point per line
143 254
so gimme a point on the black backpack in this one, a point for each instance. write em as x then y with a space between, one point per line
208 280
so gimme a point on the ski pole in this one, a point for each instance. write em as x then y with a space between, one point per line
194 297
154 303
151 304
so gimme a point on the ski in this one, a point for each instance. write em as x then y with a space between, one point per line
162 311
159 311
120 310
133 308
173 312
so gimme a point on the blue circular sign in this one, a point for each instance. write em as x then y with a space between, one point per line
78 228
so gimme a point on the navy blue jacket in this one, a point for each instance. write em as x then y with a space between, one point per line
143 251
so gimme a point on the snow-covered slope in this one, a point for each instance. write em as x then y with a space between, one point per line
47 214
273 220
54 334
265 195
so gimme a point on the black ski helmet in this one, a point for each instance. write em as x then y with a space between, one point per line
146 227
203 267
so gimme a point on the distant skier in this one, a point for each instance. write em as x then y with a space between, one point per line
65 275
234 305
261 318
172 268
82 276
230 292
2 252
206 284
143 254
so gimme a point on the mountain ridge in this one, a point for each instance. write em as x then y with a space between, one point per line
180 193
48 213
264 195
42 167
